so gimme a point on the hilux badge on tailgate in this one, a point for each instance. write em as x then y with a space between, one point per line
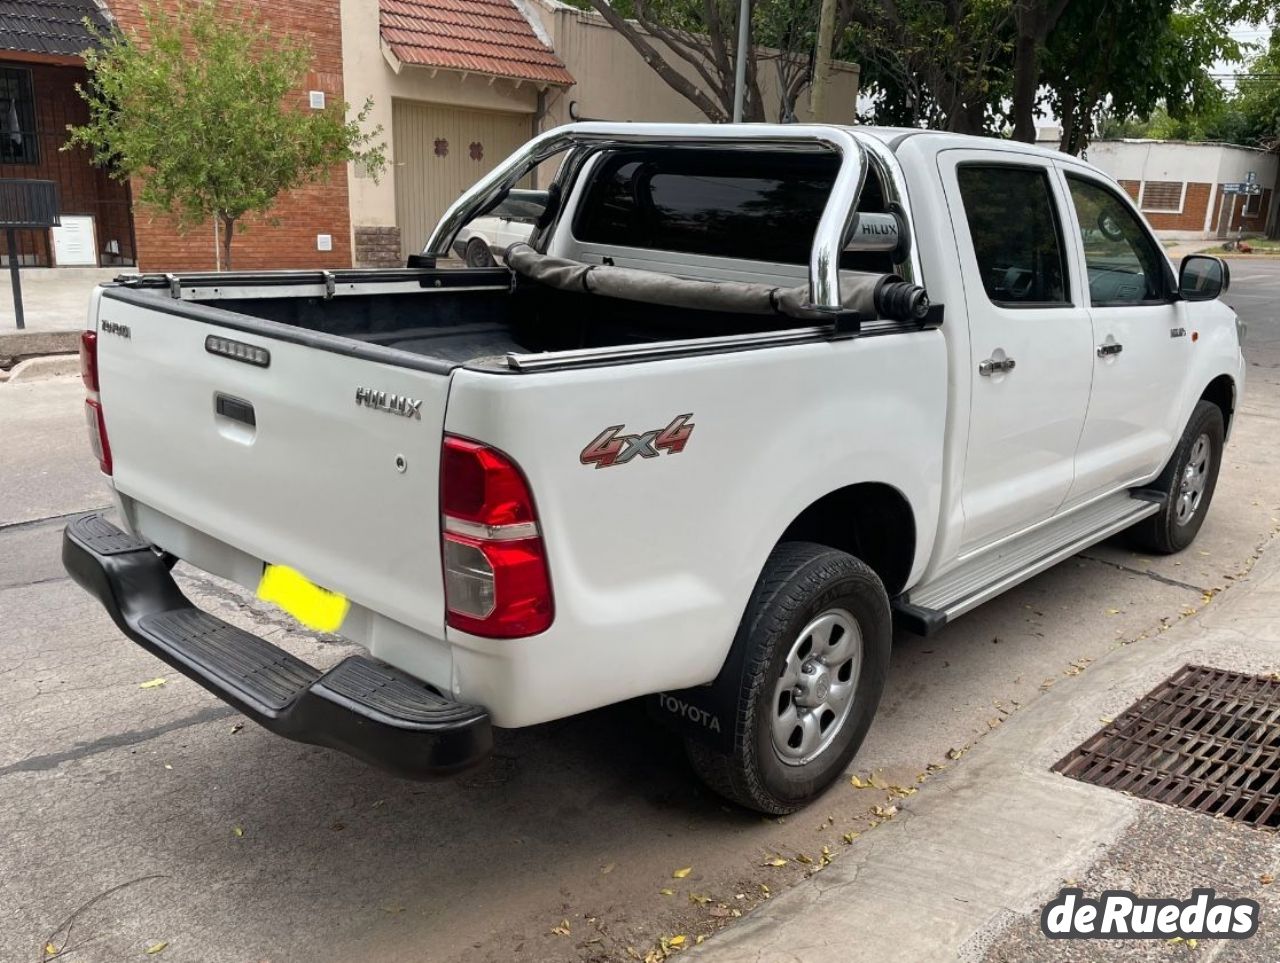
392 404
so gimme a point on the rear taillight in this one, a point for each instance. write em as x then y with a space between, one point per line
496 582
98 434
89 359
93 404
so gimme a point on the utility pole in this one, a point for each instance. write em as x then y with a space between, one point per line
740 71
822 59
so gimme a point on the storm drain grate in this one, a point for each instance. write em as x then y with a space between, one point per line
1205 739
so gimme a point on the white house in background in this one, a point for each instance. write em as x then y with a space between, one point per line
1179 185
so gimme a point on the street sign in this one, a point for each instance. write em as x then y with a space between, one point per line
1248 188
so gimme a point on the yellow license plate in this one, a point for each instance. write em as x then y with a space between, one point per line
315 607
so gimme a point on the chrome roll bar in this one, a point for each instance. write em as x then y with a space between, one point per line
833 227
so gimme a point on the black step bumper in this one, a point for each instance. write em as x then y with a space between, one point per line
362 707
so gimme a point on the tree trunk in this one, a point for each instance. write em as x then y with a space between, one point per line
228 231
1026 78
822 60
673 78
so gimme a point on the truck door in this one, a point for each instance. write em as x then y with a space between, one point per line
1142 340
1031 342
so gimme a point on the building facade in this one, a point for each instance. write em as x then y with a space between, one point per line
456 86
1179 185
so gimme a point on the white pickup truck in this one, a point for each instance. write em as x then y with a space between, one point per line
704 439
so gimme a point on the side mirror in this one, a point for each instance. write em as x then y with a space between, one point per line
1202 277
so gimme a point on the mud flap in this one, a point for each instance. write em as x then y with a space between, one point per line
708 713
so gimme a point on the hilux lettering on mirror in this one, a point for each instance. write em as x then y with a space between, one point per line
612 447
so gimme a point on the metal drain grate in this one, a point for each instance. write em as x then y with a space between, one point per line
1205 739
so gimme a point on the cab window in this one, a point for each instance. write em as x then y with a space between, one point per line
1016 237
1123 262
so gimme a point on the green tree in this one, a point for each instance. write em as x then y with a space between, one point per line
1097 64
203 108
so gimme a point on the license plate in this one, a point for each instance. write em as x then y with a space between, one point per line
314 606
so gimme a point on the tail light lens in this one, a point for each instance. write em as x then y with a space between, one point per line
98 434
93 404
89 360
496 582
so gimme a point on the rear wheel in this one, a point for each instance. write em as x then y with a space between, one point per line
478 253
1187 484
817 633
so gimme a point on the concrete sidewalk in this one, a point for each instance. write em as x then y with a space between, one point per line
55 303
962 871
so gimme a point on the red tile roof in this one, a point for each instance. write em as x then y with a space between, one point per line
487 37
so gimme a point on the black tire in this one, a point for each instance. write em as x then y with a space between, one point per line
478 253
801 581
1173 528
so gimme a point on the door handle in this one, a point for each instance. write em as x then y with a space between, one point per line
1110 348
991 366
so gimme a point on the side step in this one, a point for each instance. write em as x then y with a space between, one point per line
929 607
362 707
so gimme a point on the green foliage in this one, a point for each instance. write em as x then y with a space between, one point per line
203 107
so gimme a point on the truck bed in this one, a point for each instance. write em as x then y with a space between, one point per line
473 315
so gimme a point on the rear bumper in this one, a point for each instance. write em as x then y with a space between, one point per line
362 707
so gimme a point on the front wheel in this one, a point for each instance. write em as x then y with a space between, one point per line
1187 484
817 633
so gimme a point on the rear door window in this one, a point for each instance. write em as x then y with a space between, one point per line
1017 239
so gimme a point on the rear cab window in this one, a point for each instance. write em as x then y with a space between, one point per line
750 205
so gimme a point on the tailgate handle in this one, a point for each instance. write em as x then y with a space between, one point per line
237 409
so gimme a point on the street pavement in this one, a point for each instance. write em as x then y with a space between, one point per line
134 817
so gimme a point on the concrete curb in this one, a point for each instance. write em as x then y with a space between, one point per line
19 345
46 366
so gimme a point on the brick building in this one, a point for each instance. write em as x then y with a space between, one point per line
456 84
1178 185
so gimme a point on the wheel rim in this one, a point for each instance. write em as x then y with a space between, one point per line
1195 478
816 687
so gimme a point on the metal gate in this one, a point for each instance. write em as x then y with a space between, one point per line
441 151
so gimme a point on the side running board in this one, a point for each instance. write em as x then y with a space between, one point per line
929 607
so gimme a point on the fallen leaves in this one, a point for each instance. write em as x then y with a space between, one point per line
666 891
237 727
237 831
1266 879
562 929
850 837
155 948
151 683
682 873
775 862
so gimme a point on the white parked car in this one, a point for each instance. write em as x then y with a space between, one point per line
481 241
748 395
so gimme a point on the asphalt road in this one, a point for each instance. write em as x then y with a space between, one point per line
134 816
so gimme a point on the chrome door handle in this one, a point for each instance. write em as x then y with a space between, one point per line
991 366
1108 349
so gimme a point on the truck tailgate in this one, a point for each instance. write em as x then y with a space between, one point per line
334 471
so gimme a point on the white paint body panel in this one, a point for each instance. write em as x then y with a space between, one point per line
651 561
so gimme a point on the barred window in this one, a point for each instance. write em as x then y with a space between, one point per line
18 142
1162 196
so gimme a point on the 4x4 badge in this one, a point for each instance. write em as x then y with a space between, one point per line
610 447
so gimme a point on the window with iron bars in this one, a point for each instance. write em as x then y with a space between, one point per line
18 141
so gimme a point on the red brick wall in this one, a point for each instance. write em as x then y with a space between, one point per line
82 188
1195 202
301 215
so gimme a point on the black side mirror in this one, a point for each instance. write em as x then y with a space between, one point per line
1202 277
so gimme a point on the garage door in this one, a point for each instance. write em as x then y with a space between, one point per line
440 152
